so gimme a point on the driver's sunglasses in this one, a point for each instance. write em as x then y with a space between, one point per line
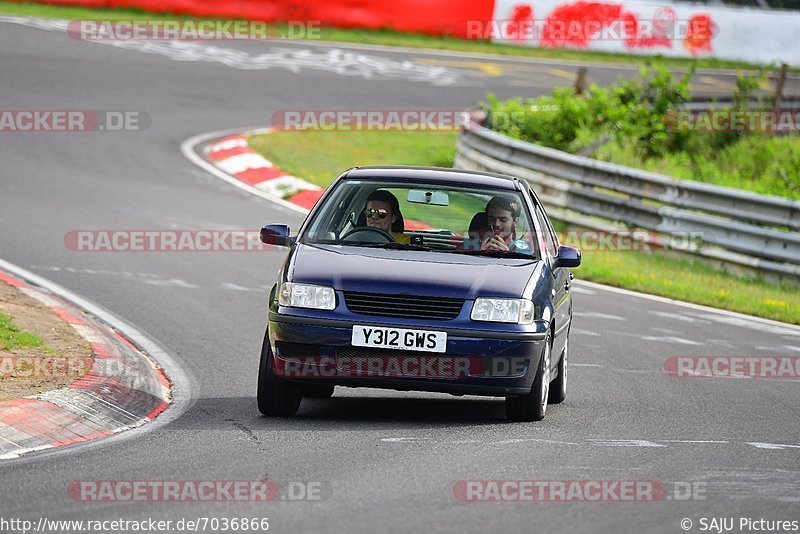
380 213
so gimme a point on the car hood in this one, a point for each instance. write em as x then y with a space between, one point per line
348 268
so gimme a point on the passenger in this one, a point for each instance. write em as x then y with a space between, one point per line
503 215
383 211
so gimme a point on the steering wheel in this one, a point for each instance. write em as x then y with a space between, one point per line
370 234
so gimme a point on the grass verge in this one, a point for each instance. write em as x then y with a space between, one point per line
320 156
654 273
758 163
389 38
11 337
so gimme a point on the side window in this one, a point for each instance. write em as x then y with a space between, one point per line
546 238
553 234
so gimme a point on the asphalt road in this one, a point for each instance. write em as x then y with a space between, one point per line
387 460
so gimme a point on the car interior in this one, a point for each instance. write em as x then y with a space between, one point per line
431 226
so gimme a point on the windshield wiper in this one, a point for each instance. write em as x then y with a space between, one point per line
496 254
395 246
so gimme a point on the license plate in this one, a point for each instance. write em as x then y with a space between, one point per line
399 338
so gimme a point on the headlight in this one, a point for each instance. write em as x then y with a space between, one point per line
503 311
306 296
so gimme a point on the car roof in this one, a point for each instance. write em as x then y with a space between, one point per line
432 174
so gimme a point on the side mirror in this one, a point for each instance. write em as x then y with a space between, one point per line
567 257
276 234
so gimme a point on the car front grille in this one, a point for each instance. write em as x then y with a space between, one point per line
410 306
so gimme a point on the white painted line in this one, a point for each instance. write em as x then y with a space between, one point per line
721 343
772 446
20 452
690 305
700 374
235 287
693 441
678 317
188 150
585 333
586 365
744 323
61 24
671 339
598 315
3 425
663 330
625 443
777 347
583 291
527 440
515 59
175 282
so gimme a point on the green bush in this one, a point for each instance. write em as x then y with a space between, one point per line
631 123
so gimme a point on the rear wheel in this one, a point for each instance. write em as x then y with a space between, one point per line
558 389
533 406
275 395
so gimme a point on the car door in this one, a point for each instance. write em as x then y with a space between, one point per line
560 277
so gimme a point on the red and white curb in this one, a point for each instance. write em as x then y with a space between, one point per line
229 157
124 388
232 155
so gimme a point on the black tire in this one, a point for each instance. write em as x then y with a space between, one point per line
317 391
275 396
533 406
558 387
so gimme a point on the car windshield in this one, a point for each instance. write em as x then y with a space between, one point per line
406 215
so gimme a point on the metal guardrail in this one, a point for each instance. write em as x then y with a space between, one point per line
733 226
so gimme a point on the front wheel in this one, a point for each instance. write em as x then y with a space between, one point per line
275 395
533 406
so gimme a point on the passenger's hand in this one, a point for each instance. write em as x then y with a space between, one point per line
493 242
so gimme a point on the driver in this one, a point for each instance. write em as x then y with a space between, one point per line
383 212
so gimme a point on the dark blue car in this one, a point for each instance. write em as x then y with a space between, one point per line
420 279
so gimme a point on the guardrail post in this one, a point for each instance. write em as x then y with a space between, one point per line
580 81
779 83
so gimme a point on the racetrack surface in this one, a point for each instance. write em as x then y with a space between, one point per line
388 459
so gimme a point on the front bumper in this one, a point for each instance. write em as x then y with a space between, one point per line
477 361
